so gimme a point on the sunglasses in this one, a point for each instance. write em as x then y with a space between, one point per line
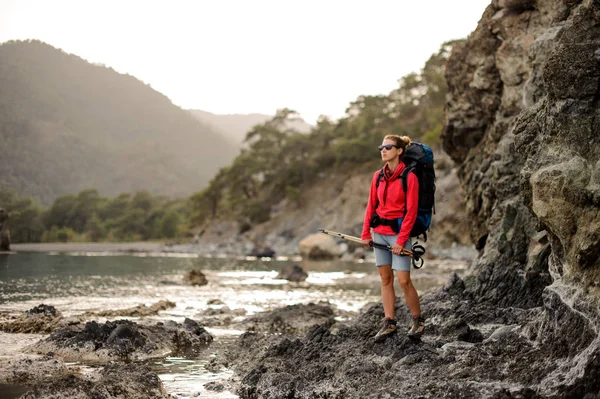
387 147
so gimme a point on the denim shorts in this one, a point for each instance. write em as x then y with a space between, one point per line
384 257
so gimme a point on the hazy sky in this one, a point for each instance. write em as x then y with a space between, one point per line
249 56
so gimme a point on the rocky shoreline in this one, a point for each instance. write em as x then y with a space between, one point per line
471 349
120 346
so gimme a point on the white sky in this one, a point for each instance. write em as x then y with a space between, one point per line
245 56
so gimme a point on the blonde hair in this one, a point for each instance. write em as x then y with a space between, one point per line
401 141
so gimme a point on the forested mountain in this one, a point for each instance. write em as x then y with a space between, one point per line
67 125
236 126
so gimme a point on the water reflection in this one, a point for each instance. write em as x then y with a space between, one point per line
4 261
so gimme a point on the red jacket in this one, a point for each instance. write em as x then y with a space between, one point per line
388 200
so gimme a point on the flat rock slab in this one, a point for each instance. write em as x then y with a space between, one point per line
125 340
136 311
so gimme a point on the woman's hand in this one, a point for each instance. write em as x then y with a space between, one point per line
366 243
397 249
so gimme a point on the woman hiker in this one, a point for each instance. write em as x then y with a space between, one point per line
391 226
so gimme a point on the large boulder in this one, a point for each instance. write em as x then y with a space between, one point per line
319 246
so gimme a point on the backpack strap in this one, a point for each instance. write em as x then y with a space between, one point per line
380 178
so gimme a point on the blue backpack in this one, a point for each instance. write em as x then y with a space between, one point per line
418 159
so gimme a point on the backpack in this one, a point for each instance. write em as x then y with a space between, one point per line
418 159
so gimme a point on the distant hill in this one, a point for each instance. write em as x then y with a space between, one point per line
235 126
67 125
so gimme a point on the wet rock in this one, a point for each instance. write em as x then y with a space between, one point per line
214 365
262 251
293 319
195 277
466 333
220 316
132 381
214 386
452 359
319 246
40 319
217 311
45 310
292 273
124 339
454 285
137 311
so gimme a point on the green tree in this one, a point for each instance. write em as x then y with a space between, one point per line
169 225
25 221
86 206
142 200
95 229
132 226
115 208
59 212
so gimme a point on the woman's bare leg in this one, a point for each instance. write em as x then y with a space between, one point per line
410 293
388 296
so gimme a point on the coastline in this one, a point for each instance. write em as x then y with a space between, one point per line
141 246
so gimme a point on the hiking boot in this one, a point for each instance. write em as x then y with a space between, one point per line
417 328
389 327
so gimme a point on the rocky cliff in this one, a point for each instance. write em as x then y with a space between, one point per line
523 122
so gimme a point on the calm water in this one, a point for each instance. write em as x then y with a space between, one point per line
79 282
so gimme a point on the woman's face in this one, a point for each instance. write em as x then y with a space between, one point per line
393 152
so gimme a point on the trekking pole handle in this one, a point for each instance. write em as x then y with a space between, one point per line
403 252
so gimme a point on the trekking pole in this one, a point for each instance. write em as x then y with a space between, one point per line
416 254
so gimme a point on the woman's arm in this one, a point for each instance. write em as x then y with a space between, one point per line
371 206
412 206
